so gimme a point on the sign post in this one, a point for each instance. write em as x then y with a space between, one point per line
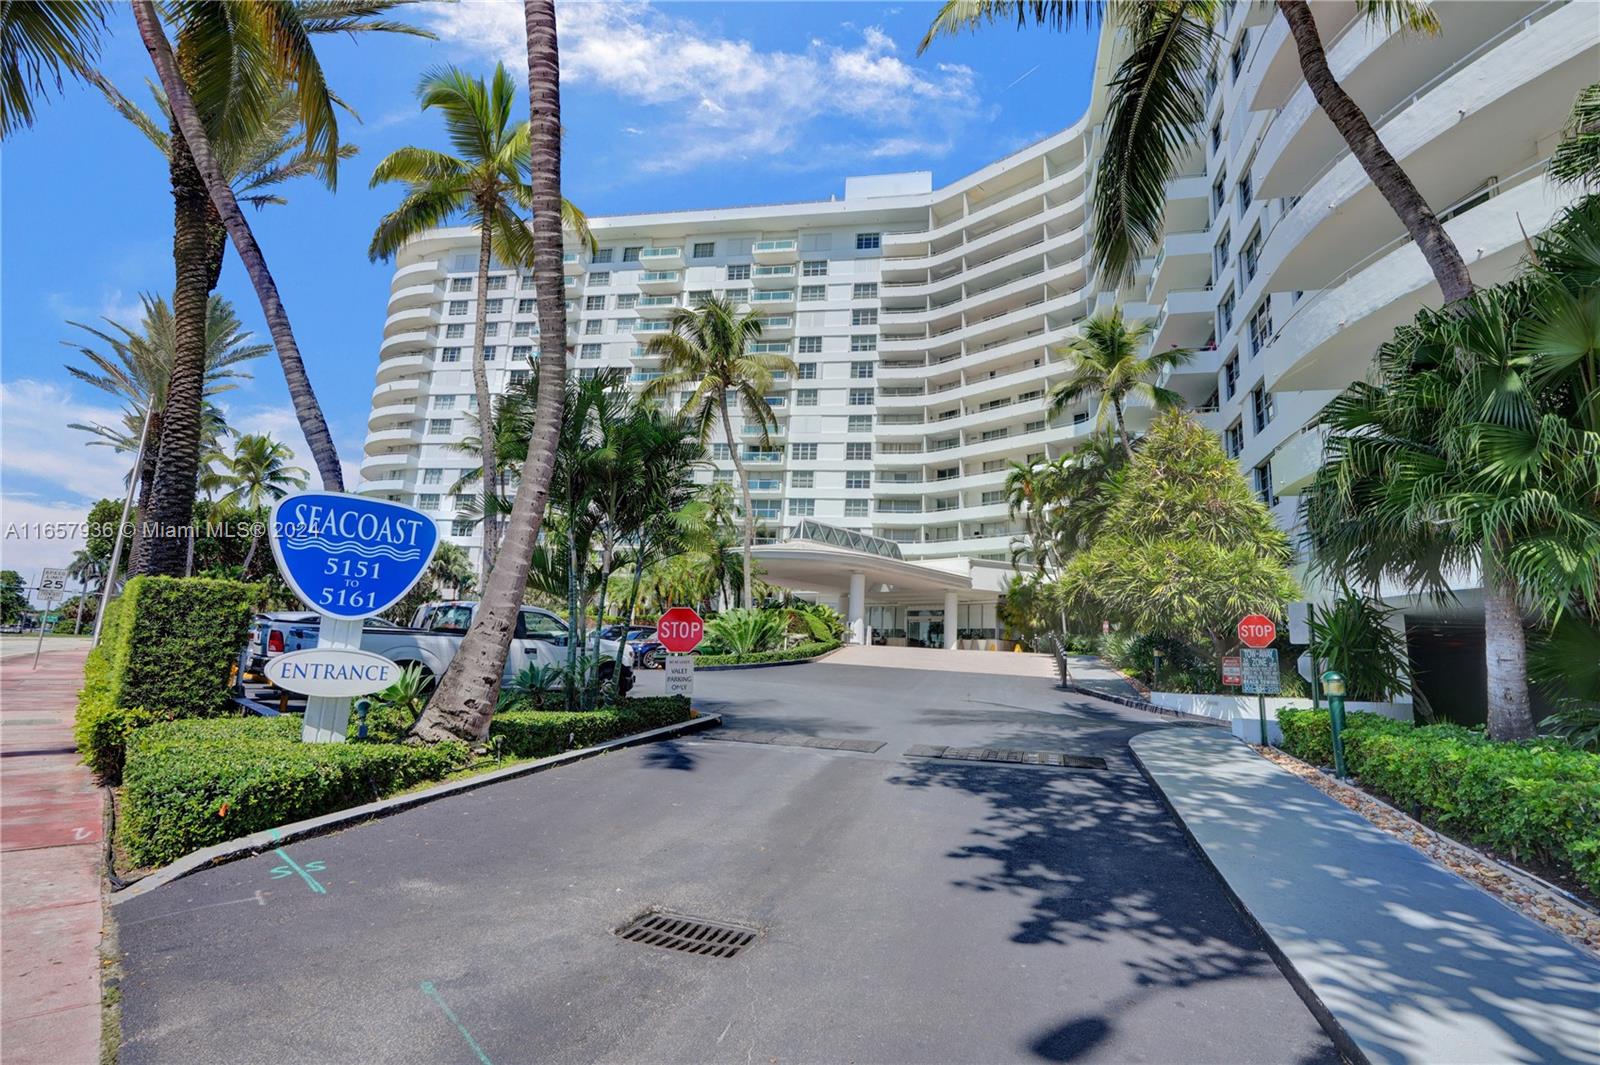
1260 679
348 558
680 631
52 586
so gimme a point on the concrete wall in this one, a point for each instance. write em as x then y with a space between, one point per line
1241 711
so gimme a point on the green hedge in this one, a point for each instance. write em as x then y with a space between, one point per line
1536 800
189 784
165 652
797 653
540 733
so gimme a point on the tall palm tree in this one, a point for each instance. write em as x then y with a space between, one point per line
1577 158
257 475
465 699
708 348
225 82
1107 363
40 41
486 181
90 573
1157 101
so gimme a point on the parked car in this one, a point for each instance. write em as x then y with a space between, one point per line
647 650
431 641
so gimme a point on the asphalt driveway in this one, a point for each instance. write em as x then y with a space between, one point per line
909 910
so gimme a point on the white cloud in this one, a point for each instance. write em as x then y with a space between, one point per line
714 99
35 534
112 303
36 443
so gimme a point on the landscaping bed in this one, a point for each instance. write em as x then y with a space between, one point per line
797 653
1537 803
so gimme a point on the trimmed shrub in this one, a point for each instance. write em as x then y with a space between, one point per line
541 733
745 630
189 784
797 653
164 654
1538 800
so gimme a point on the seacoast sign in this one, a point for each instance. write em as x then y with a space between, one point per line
349 556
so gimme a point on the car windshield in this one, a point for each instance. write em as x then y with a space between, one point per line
452 617
532 624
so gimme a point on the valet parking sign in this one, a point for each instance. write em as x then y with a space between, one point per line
348 558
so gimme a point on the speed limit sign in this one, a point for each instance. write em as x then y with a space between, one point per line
52 584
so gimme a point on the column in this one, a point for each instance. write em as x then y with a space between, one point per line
858 608
951 617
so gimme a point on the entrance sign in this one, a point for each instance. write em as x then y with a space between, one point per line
680 675
1232 671
348 558
1257 630
680 630
1260 671
326 671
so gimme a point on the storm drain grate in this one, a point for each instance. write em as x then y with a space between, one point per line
690 935
991 754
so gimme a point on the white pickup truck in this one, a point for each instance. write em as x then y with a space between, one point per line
432 640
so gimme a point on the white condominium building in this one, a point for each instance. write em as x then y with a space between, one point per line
923 320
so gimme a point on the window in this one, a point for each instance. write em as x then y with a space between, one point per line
991 498
855 508
722 476
803 452
627 301
1080 418
1260 408
455 332
864 290
765 508
1236 58
1220 252
432 476
705 249
461 284
461 527
1233 439
589 351
600 277
858 481
526 306
858 452
1225 314
860 423
444 402
1219 193
738 272
1230 376
869 241
497 283
802 508
450 355
428 501
439 425
458 307
1246 193
1250 258
736 295
803 479
593 326
594 303
494 306
719 451
518 377
631 255
491 329
603 255
1216 134
522 351
806 371
1261 327
526 282
522 329
862 397
809 345
814 268
1263 478
805 397
996 434
862 370
863 342
864 316
810 293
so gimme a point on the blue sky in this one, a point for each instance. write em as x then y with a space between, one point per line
666 106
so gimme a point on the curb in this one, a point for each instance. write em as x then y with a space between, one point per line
257 842
1140 704
769 665
1343 1041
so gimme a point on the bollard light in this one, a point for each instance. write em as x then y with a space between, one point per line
1156 675
1333 688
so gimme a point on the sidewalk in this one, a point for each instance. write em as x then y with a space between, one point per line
1400 959
50 844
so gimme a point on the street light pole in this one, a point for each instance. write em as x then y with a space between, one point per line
122 526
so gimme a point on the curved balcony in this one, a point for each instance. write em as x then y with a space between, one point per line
394 415
782 250
426 272
415 296
989 211
415 342
660 282
400 366
385 486
411 319
379 441
375 466
404 390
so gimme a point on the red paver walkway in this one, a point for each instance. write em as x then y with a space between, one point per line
50 844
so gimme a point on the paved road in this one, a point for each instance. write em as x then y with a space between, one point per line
911 911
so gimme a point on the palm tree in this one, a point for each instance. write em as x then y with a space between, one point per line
1577 158
225 84
708 347
485 181
465 699
1107 363
40 40
89 571
1157 101
256 475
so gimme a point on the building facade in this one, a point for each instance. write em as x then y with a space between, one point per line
923 320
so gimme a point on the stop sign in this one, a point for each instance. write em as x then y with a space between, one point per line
680 630
1257 630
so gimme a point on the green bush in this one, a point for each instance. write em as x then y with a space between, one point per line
787 654
540 733
165 652
189 784
744 630
1538 800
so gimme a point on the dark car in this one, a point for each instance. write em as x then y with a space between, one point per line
647 652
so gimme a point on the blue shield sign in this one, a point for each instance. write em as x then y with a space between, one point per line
349 556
